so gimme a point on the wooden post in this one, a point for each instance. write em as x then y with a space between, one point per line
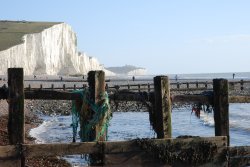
206 85
16 120
96 81
221 108
64 87
241 84
162 108
148 87
139 88
52 86
41 86
178 85
128 87
187 85
197 84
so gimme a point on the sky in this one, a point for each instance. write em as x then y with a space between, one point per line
163 36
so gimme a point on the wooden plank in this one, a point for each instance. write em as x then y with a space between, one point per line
51 95
129 96
239 99
192 98
59 149
55 88
8 152
180 150
9 163
162 107
221 108
239 156
189 89
134 150
9 156
121 96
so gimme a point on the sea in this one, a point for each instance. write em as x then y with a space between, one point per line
133 125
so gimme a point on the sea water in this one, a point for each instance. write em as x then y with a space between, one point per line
132 125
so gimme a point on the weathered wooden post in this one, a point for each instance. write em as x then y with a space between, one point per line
52 86
148 87
197 84
96 81
178 85
221 108
64 87
206 84
162 107
187 85
241 84
16 120
41 86
74 86
139 88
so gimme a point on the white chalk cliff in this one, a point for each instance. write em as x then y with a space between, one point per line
128 70
52 51
140 71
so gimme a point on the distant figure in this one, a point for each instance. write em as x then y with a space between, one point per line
233 75
83 77
61 78
34 76
176 77
133 78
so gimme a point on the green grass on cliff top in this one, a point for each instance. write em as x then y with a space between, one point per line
11 32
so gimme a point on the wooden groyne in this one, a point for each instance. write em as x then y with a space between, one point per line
163 151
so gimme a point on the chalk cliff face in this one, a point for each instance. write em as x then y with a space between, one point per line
128 70
53 51
140 71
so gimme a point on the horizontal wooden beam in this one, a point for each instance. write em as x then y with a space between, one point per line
239 156
51 95
130 96
239 99
192 98
9 152
121 96
58 80
59 149
189 89
53 80
107 147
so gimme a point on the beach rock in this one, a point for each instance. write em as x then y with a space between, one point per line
50 107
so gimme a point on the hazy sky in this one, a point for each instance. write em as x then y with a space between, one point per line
177 36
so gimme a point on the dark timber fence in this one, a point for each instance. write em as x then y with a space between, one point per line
160 117
138 87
